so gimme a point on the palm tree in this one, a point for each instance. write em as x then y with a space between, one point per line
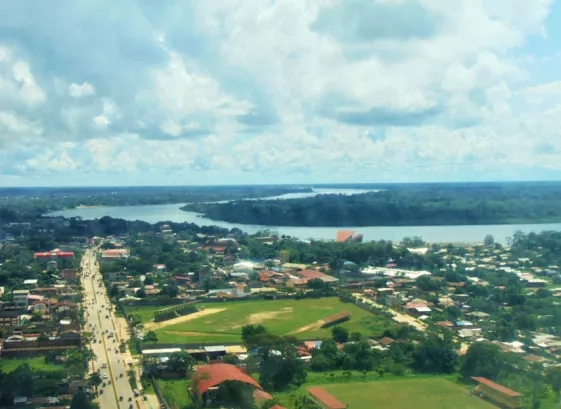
95 380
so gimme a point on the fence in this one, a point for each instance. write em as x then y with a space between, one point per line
161 398
172 312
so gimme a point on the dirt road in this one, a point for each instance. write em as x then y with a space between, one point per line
398 316
184 318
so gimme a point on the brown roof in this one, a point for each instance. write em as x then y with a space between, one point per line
344 235
326 398
277 407
496 386
386 341
212 375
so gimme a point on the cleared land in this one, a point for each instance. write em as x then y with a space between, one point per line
37 363
302 318
182 319
426 393
175 392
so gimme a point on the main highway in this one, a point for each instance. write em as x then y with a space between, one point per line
116 391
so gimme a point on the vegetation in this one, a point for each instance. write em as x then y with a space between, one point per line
16 204
402 205
302 318
428 393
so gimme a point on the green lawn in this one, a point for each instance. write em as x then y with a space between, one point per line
297 317
38 363
418 393
175 392
146 313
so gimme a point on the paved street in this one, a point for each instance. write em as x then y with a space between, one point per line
107 335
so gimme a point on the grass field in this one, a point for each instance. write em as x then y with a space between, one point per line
175 392
301 318
418 393
38 363
146 314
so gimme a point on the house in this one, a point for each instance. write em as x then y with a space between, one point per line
323 399
69 274
207 379
313 274
9 318
348 236
159 268
32 282
20 297
416 308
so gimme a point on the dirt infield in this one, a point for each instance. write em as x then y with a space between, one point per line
310 327
184 318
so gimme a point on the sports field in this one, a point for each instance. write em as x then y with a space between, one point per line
222 322
424 393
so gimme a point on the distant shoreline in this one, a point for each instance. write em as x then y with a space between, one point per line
87 207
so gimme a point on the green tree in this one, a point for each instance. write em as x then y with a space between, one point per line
95 379
180 361
81 401
150 336
340 334
252 331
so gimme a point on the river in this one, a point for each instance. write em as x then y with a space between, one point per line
172 213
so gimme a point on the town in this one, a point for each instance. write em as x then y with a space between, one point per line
175 316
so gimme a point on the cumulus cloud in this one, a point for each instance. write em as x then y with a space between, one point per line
81 90
298 90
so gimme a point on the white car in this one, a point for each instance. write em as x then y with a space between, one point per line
104 376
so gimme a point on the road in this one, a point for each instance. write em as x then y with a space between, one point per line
100 320
398 316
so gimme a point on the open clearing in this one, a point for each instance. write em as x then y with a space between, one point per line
288 316
424 393
183 318
38 363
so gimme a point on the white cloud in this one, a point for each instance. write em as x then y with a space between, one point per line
298 89
81 90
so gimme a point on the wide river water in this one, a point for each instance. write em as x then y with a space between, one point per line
172 213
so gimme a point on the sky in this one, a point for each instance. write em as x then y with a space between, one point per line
189 92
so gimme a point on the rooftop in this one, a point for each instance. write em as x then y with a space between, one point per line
329 401
496 386
209 376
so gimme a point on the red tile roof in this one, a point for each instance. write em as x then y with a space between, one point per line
212 375
328 400
496 386
344 235
261 396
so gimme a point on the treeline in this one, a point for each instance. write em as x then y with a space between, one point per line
412 205
27 204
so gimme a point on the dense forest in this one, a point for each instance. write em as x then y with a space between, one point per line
402 205
27 204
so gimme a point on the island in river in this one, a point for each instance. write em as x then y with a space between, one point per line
402 205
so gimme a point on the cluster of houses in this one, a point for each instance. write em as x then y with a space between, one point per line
36 318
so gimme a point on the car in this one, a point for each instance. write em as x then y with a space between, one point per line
109 349
120 398
104 376
130 399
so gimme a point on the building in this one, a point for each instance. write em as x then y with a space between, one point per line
323 399
21 297
69 274
348 236
161 354
498 394
32 282
208 378
54 255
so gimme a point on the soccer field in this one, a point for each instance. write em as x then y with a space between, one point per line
301 318
424 393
